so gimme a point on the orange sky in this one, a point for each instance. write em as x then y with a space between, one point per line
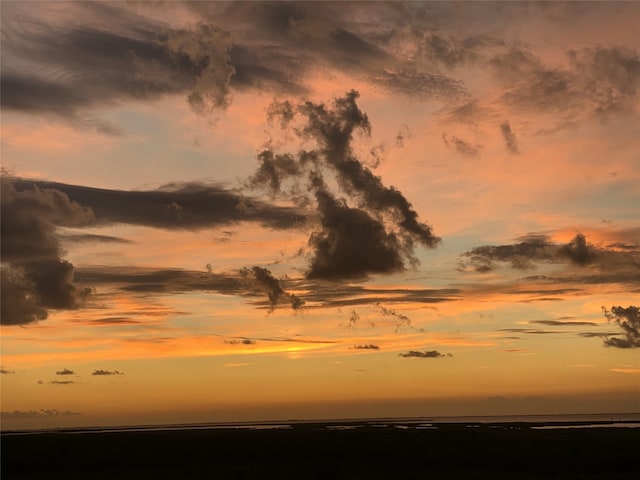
174 283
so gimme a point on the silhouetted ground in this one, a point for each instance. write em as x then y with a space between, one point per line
309 451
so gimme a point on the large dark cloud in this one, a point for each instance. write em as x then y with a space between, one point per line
68 70
174 206
628 319
34 276
112 55
373 230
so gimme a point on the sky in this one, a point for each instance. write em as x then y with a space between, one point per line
261 211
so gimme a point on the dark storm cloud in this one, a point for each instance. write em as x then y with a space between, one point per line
509 136
628 319
34 276
106 372
65 371
352 240
425 354
351 243
578 251
189 206
261 279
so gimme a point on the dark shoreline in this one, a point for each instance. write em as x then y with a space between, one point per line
351 450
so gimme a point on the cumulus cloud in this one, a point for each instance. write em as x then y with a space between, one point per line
375 228
65 371
628 319
34 276
425 354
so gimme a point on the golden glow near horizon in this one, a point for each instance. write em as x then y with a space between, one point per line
214 248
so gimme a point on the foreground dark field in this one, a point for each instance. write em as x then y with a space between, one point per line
310 451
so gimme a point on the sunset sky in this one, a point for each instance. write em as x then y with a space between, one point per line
253 211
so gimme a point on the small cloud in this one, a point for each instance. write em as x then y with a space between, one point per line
65 371
425 354
106 372
241 341
510 140
4 371
61 382
366 347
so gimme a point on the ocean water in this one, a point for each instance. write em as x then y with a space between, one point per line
625 420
